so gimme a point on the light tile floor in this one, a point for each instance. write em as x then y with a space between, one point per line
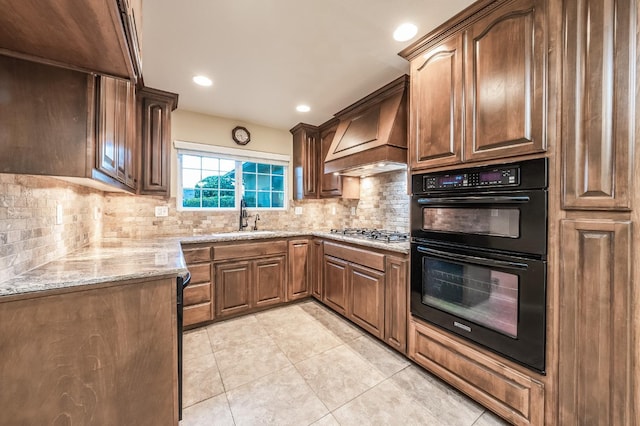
303 364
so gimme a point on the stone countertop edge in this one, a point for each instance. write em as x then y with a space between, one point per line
114 260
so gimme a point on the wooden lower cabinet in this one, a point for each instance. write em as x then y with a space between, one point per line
396 301
103 356
511 394
317 254
366 301
300 279
268 287
249 276
198 295
233 281
369 288
336 278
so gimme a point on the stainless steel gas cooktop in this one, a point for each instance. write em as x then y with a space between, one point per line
382 235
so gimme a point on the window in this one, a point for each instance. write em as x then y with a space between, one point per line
210 181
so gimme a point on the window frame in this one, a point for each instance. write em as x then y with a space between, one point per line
239 156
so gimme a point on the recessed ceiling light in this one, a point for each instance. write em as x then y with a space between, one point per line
405 32
303 108
201 80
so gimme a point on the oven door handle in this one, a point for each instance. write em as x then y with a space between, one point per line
517 199
472 259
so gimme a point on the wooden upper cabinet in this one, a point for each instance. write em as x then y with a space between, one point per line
435 131
88 36
305 161
505 82
330 184
155 108
598 98
116 136
478 86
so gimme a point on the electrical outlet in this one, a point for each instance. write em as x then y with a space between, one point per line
96 213
162 211
297 210
353 211
333 210
58 214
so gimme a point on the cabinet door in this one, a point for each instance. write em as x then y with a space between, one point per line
305 161
505 89
122 88
299 269
598 98
596 313
155 120
330 184
107 131
435 123
269 281
232 280
366 299
317 256
335 279
395 302
131 150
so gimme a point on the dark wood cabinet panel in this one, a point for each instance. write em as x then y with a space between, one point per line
396 302
317 257
155 108
299 282
505 89
232 287
198 297
305 161
598 112
97 355
596 345
335 278
435 133
47 117
115 139
366 299
269 283
330 184
89 37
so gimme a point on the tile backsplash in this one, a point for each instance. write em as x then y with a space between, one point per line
29 235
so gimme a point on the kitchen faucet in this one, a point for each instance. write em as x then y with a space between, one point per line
255 224
243 215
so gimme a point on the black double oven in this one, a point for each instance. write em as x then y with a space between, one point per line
478 256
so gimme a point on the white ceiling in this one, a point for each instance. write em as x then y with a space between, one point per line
267 56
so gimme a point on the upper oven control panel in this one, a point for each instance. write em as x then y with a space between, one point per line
526 174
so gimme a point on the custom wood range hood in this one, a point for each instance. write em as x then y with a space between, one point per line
372 135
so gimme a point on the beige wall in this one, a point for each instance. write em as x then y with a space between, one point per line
191 126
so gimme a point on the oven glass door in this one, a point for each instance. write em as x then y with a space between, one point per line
512 221
496 300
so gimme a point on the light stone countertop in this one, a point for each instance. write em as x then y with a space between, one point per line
112 260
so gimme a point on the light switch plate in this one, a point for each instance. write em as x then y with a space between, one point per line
162 211
297 210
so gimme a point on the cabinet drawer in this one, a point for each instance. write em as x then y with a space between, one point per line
351 254
197 313
194 255
238 251
200 273
513 395
197 293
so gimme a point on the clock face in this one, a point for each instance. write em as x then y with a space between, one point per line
241 135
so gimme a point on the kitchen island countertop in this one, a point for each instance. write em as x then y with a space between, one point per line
115 259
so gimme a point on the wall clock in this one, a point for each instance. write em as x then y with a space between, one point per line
241 135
